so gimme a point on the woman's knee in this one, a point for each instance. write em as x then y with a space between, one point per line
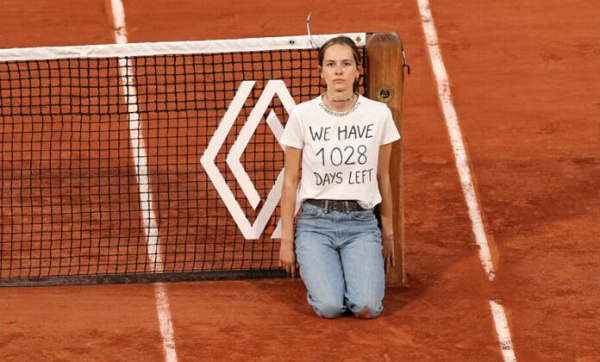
366 309
368 312
329 310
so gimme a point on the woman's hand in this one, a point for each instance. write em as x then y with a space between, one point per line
386 208
287 257
388 252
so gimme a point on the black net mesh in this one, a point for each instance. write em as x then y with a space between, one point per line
77 206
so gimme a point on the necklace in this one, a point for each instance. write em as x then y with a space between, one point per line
339 100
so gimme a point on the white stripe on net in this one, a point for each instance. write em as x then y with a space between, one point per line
186 47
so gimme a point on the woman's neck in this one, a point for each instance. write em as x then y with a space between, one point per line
340 101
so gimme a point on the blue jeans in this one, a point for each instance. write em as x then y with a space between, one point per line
340 261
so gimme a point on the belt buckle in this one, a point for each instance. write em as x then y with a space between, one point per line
341 206
330 205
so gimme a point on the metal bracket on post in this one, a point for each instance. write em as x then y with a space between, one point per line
405 62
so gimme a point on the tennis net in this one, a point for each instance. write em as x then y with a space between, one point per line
148 161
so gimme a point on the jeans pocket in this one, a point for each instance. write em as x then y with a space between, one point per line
310 212
363 215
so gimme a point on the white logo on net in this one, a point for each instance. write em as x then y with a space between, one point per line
273 87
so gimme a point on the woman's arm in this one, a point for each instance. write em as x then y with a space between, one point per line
386 207
287 258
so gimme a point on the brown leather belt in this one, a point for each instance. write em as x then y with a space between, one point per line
336 205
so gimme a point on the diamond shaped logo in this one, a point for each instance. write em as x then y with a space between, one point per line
273 87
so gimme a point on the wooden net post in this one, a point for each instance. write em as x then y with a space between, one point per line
384 82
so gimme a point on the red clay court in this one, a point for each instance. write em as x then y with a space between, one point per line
525 84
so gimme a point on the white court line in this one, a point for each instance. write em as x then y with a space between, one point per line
462 162
141 164
503 332
462 165
165 322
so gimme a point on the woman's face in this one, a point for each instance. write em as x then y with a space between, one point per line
339 69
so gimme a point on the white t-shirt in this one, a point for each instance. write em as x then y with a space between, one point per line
340 150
